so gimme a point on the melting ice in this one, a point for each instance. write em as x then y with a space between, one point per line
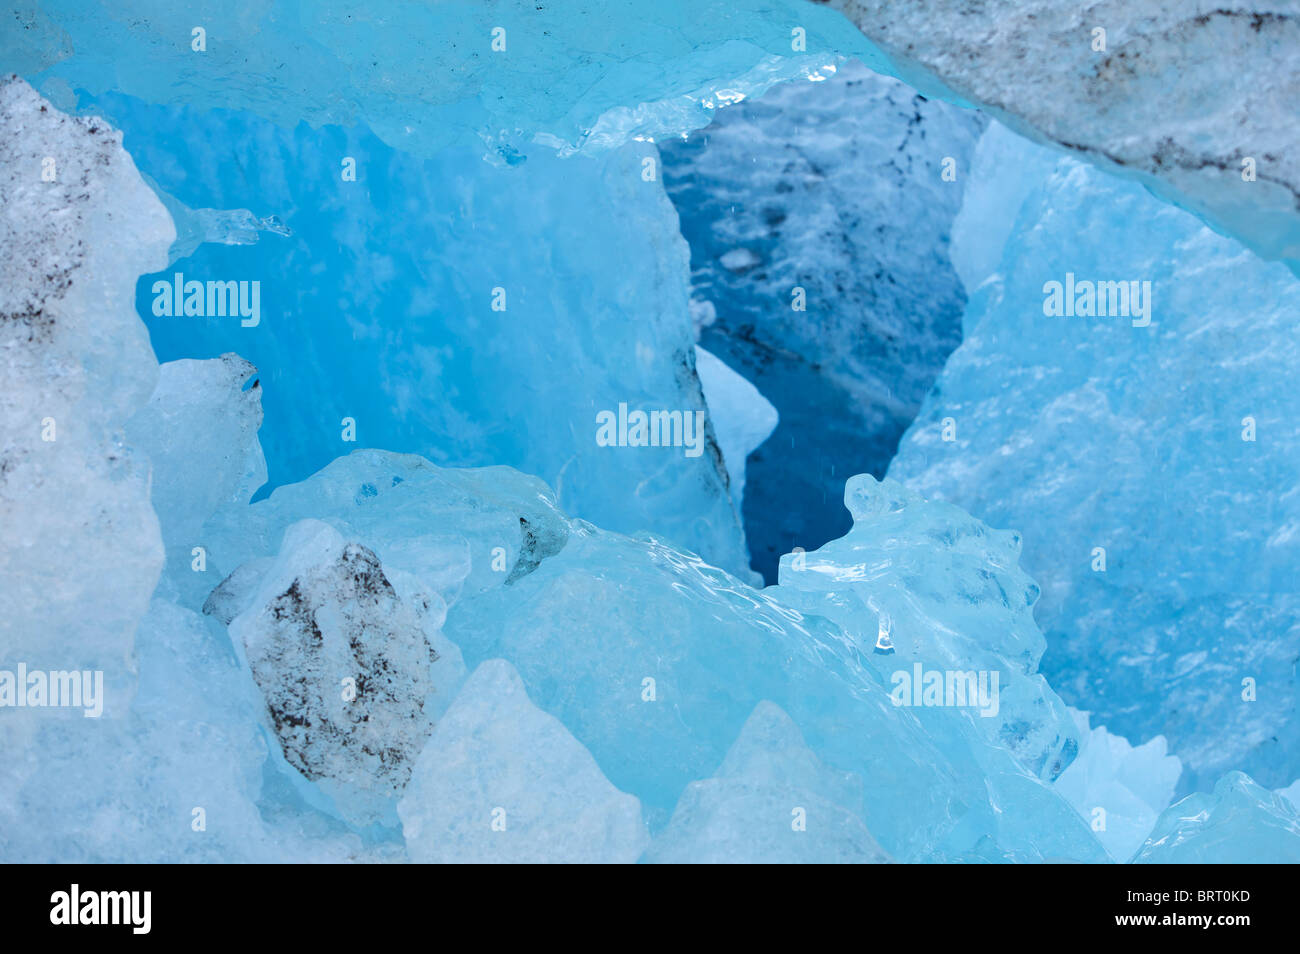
439 531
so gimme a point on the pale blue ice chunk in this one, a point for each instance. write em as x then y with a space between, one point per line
742 417
771 802
933 597
177 778
80 552
989 209
1291 793
200 431
1120 789
1239 823
1149 466
500 781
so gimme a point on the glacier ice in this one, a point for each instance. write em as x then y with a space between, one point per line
1238 823
492 341
926 591
199 429
501 781
818 220
226 226
658 686
1292 792
1151 467
655 70
770 802
497 638
1109 81
555 74
1120 788
345 667
74 495
177 776
198 408
742 417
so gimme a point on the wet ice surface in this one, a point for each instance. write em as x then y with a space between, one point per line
930 585
434 657
1167 440
1120 788
1238 822
501 308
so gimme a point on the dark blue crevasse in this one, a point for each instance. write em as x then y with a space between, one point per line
836 196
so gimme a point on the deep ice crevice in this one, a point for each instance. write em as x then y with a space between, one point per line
818 221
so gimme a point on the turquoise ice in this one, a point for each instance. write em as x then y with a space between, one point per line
363 580
1148 459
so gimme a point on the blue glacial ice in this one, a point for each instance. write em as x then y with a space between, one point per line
365 583
659 688
1149 461
199 429
576 82
427 77
771 801
911 584
1238 822
1120 789
499 780
490 338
